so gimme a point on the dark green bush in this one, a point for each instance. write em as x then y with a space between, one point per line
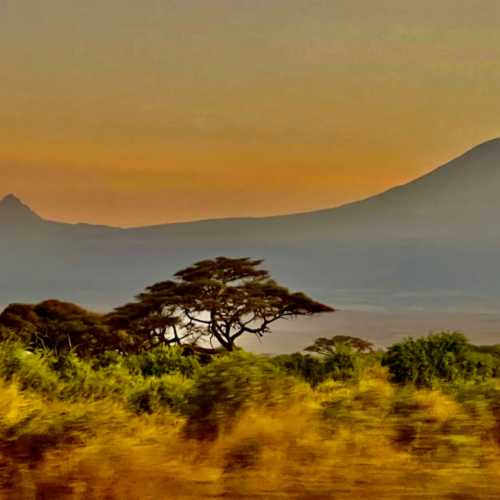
153 394
32 370
58 326
83 379
440 357
230 384
492 358
311 368
342 364
162 360
68 377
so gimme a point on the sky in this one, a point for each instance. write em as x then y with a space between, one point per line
131 112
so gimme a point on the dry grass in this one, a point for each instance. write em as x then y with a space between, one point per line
365 440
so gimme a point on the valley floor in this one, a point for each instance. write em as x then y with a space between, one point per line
382 327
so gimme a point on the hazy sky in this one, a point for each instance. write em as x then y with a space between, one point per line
142 111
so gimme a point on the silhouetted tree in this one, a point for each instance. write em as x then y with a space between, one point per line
327 346
342 356
145 323
59 326
218 300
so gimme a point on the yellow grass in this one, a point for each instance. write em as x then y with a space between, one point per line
289 451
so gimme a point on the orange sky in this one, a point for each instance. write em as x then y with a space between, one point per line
126 112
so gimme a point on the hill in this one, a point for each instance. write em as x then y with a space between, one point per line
434 237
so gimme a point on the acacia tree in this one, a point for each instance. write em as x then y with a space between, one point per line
152 320
217 300
337 343
59 326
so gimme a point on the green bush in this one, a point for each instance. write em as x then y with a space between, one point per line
152 394
437 358
343 364
58 326
493 357
310 368
162 360
30 369
229 385
141 383
81 379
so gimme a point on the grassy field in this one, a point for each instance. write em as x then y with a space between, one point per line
163 425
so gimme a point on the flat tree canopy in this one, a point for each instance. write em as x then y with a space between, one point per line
327 346
59 326
216 300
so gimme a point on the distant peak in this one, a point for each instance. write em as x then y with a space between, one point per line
488 146
11 200
12 209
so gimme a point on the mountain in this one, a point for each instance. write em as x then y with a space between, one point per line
431 243
15 215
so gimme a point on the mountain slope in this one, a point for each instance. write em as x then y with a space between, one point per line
439 232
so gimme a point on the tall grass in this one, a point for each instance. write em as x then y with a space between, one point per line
123 428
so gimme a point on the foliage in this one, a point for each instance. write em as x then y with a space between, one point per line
154 393
492 357
440 357
162 360
32 370
58 326
310 368
139 382
342 364
338 343
214 300
112 407
148 322
366 438
228 386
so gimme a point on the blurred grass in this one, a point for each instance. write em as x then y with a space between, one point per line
119 429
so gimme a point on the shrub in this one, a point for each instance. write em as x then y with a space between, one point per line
162 360
440 357
81 379
492 357
153 394
311 368
342 364
365 402
58 326
229 385
70 378
31 369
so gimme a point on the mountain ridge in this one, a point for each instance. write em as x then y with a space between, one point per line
437 232
13 209
486 148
